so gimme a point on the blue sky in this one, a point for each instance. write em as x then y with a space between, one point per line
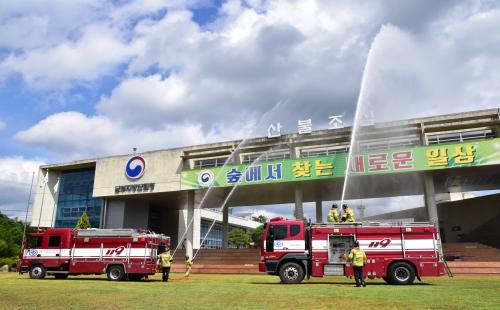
89 78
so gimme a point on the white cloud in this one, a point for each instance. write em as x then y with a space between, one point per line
310 54
15 183
73 135
26 24
142 100
98 52
411 76
2 125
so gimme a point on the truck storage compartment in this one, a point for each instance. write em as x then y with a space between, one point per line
337 247
333 270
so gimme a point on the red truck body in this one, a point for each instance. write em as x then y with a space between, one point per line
398 254
117 252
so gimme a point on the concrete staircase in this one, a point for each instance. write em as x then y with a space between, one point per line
229 261
472 258
471 252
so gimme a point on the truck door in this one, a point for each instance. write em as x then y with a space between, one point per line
33 249
54 250
275 233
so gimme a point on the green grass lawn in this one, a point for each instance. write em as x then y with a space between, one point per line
245 292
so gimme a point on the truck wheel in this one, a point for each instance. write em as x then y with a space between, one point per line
37 272
115 273
61 276
401 273
291 273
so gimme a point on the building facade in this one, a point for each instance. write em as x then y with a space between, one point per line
172 191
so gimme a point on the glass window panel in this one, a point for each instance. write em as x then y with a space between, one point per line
75 197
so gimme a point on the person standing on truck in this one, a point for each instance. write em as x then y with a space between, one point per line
166 262
348 214
334 215
189 265
358 258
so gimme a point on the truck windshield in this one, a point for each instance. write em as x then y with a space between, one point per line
35 241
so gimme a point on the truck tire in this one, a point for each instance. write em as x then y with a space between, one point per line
61 276
401 273
37 272
291 273
115 273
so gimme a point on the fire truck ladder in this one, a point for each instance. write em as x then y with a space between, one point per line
441 258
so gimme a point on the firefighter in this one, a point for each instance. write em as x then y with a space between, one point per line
165 261
348 214
334 215
358 258
189 265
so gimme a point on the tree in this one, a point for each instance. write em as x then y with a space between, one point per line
239 237
11 234
83 222
257 235
260 218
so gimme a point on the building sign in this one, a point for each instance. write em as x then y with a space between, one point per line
305 126
134 169
411 159
274 130
135 188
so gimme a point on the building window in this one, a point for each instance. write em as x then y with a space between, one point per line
210 162
75 197
388 143
325 151
263 157
214 238
460 136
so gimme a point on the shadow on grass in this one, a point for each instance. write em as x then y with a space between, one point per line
343 283
77 278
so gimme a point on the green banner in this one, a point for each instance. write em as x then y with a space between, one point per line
409 159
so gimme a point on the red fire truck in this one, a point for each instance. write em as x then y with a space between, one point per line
398 254
119 253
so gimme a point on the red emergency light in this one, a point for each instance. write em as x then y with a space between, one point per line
276 219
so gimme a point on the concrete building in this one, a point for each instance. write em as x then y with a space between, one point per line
165 190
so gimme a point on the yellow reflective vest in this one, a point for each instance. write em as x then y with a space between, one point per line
357 257
165 259
333 216
189 263
348 215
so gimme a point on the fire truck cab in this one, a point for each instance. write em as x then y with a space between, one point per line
119 253
293 250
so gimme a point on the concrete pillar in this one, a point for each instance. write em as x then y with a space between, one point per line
45 199
186 221
115 214
319 210
196 226
430 199
104 207
225 226
299 208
